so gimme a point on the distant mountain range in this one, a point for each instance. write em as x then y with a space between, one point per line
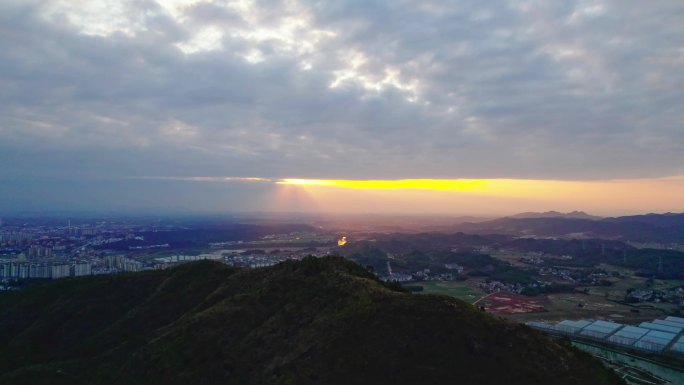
315 321
660 228
555 214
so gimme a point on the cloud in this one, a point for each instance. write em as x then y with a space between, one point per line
342 90
206 178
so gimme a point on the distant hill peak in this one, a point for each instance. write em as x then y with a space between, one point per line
556 214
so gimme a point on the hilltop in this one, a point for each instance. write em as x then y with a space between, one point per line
315 321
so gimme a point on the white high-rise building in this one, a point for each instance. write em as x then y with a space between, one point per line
60 271
81 269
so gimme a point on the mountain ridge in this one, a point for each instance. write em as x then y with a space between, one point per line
663 228
555 214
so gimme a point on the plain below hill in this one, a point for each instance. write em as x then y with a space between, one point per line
316 321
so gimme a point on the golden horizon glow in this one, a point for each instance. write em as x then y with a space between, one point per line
488 195
471 196
528 188
394 184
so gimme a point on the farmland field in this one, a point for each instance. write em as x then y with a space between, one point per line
453 289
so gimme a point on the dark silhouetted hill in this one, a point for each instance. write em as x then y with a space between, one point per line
317 321
659 220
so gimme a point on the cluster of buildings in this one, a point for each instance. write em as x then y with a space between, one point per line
50 270
39 251
55 268
454 266
561 273
261 260
120 263
421 275
14 237
254 260
531 260
662 336
238 258
298 237
61 250
47 248
166 262
494 286
498 287
396 277
672 295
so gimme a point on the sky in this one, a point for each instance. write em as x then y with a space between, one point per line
450 107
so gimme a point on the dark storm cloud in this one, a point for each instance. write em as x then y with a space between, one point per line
347 89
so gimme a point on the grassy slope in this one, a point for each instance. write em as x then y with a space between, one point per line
319 321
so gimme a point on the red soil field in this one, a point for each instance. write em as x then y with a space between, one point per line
510 303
